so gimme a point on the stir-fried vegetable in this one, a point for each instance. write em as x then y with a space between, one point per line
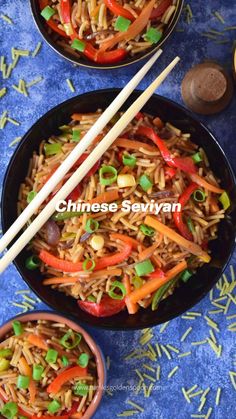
178 216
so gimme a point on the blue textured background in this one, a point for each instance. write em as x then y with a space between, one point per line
202 367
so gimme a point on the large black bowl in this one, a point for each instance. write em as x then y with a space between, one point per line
83 61
188 294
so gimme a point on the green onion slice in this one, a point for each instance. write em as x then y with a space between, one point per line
23 382
81 389
129 160
145 182
65 361
190 224
76 135
153 35
146 230
144 268
6 353
31 195
88 265
51 356
70 340
51 149
54 406
91 225
37 372
4 364
121 287
159 294
225 200
186 275
9 410
199 195
122 24
83 360
107 170
197 158
32 263
91 299
17 327
78 45
66 215
48 12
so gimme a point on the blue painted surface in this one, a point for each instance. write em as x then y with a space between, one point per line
202 367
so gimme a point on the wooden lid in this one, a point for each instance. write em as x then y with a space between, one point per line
207 88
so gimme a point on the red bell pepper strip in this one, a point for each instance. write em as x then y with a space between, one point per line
50 417
118 10
185 164
170 172
107 307
73 410
160 10
103 262
158 273
178 216
64 377
51 23
90 52
75 194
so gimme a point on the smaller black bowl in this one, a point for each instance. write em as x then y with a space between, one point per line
199 284
83 61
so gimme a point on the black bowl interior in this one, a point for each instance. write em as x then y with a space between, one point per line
188 294
83 61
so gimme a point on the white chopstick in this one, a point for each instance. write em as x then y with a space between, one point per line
79 174
76 153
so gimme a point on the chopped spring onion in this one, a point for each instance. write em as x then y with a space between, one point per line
54 406
31 195
153 35
186 275
197 158
32 263
144 268
190 224
146 230
122 24
86 264
68 342
23 382
91 299
9 410
4 364
121 287
17 327
225 200
37 372
83 360
129 160
65 361
199 195
78 45
48 12
81 389
61 216
76 135
161 292
91 225
51 356
145 182
107 170
51 149
6 353
137 282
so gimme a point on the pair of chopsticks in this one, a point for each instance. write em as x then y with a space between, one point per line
83 169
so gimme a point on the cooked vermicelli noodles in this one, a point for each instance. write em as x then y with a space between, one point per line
109 260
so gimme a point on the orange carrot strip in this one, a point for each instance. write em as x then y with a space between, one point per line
204 184
147 253
32 391
60 280
214 207
129 240
177 238
24 367
134 145
79 116
38 341
106 197
153 285
131 307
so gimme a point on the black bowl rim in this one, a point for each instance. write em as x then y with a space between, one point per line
104 92
132 60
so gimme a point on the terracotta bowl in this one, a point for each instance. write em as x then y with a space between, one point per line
101 369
